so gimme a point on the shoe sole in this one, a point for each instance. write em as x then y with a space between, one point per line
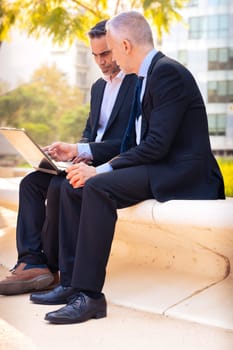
42 302
20 287
61 320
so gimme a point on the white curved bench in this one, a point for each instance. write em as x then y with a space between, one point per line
172 258
9 192
175 258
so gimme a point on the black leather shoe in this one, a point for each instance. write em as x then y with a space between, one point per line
80 309
59 295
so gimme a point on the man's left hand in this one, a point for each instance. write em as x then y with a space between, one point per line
78 174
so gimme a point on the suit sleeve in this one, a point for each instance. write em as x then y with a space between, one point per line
105 150
164 105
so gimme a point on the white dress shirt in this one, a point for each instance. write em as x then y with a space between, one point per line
109 98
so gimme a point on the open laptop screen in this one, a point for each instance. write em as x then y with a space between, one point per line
32 152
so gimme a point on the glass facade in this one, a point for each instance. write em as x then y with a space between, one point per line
210 27
217 26
206 48
217 124
196 27
217 2
220 91
220 58
192 3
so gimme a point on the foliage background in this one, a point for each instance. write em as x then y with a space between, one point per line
67 20
48 107
226 166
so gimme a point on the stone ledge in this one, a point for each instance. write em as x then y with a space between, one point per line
210 214
170 258
9 192
9 172
178 255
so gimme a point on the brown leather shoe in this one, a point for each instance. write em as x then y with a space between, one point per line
56 281
25 279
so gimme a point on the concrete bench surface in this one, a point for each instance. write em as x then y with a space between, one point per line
179 255
171 258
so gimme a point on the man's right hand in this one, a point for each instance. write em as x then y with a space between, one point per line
61 151
78 174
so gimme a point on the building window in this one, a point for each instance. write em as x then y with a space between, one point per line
217 26
182 57
217 2
211 27
217 124
220 91
192 3
196 27
220 59
230 87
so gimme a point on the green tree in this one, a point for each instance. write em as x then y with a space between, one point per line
65 97
73 123
41 105
67 20
29 107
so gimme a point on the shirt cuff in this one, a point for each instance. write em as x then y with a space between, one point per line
84 148
103 168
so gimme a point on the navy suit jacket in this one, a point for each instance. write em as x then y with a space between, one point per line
111 141
174 138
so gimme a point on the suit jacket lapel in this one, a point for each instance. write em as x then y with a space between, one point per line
97 101
145 101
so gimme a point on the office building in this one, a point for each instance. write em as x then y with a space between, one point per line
204 43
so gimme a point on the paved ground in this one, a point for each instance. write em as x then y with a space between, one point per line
22 327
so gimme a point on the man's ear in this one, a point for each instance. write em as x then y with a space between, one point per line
127 46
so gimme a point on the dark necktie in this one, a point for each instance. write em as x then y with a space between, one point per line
135 112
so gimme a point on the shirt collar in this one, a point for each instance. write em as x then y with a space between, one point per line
119 76
146 63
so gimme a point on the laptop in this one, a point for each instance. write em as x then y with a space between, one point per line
32 152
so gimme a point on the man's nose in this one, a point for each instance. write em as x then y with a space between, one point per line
101 60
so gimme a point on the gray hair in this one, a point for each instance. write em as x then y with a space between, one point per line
131 25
